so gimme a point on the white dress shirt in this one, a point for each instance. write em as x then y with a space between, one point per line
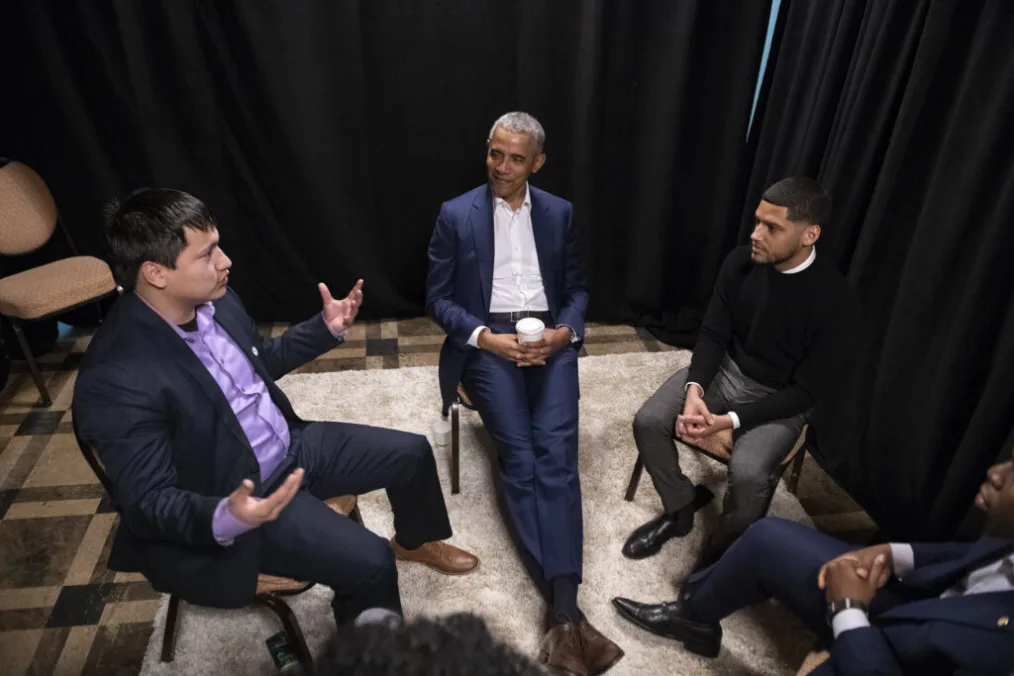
994 577
517 278
799 268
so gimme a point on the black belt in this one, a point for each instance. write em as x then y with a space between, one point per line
516 316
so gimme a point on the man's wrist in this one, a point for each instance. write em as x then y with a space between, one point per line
836 606
847 620
481 340
692 389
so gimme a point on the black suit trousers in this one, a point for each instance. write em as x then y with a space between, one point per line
311 542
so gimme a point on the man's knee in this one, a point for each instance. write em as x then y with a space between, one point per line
652 419
415 451
771 529
376 561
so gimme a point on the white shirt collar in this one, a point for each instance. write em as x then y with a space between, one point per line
497 201
805 264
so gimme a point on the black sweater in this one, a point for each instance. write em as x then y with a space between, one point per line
789 332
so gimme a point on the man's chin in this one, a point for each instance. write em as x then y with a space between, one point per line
219 291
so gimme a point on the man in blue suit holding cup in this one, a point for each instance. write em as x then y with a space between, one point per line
505 265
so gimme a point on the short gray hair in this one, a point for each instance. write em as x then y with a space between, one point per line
520 123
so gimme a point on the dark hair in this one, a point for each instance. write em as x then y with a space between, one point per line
150 225
456 645
805 199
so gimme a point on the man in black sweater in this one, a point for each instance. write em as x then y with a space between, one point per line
775 334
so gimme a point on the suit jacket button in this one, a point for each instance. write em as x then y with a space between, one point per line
255 352
1003 622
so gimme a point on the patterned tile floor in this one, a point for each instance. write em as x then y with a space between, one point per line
63 612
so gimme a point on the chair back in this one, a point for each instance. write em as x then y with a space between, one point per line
27 210
91 456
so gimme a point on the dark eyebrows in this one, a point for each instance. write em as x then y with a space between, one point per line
770 224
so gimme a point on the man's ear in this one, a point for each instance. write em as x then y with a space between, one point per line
811 235
540 159
153 274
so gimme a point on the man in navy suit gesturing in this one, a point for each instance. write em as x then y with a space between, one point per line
500 253
215 477
892 609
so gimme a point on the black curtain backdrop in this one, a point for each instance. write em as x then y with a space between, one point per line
905 111
325 135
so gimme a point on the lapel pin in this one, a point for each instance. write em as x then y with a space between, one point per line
255 352
1003 622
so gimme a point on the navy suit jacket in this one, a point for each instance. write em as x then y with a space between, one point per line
460 281
914 631
172 448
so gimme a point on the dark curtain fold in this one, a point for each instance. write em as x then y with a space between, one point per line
325 135
903 110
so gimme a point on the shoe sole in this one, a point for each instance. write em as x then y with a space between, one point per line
557 671
449 573
696 647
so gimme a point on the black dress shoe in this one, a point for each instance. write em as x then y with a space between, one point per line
648 539
673 620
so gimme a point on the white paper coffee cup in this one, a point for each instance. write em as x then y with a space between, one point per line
529 330
441 432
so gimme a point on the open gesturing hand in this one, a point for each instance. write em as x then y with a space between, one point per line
255 511
340 314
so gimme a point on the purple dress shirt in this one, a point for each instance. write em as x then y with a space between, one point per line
263 423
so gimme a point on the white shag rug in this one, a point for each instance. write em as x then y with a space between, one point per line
765 639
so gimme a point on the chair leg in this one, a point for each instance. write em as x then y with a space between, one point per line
635 478
455 450
169 636
291 626
32 365
797 469
98 311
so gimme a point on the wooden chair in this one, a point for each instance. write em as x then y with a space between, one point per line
270 588
719 447
455 413
28 218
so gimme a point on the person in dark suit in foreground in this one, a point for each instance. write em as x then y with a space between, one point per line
215 477
891 609
456 645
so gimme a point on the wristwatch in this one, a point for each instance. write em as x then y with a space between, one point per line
838 605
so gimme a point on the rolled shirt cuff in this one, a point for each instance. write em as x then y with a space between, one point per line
686 387
225 527
735 420
473 340
904 559
847 620
340 335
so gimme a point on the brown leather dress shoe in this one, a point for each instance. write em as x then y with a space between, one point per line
600 654
440 556
561 650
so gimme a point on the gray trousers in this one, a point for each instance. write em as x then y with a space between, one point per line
757 452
